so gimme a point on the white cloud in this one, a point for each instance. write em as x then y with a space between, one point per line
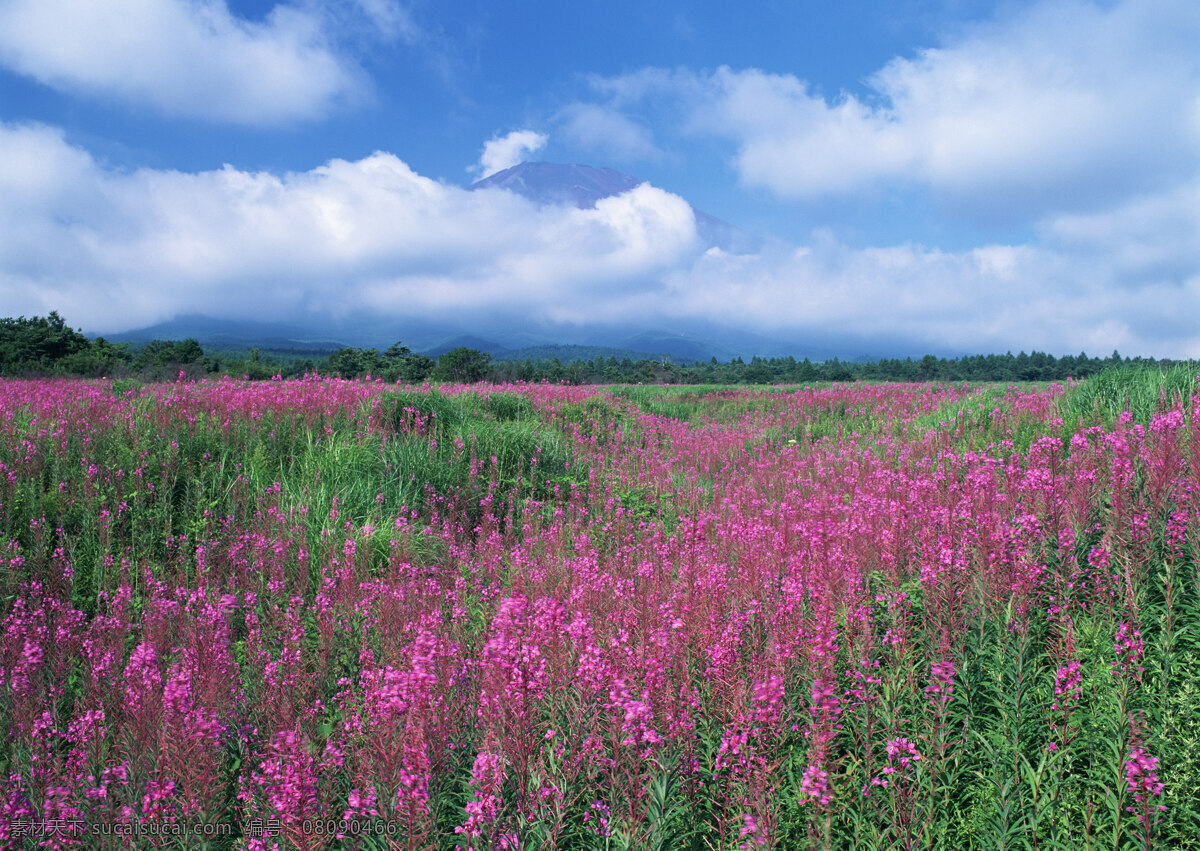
989 299
794 143
190 58
124 249
1149 236
501 152
112 250
1061 107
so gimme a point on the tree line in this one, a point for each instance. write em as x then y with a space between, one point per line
40 346
47 346
1037 366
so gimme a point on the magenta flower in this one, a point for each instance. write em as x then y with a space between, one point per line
815 785
1129 649
1142 781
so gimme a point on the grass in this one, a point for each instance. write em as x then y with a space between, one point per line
1140 389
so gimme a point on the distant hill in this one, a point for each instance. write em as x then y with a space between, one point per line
503 341
466 341
677 347
234 338
684 342
234 334
570 354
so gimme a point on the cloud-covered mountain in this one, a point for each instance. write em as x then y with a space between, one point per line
581 186
544 191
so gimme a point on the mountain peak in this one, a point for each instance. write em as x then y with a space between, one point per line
560 183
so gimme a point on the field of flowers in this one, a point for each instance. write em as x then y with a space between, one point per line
326 614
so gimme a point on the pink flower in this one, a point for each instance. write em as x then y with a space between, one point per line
1141 780
1067 686
941 685
903 750
1129 649
815 784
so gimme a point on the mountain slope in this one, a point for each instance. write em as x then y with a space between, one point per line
234 333
553 183
583 185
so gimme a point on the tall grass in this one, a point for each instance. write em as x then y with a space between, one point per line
1139 389
139 479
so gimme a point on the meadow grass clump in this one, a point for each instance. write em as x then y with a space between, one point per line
1142 390
510 406
674 402
597 418
425 413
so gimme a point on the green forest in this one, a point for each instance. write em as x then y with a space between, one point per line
41 346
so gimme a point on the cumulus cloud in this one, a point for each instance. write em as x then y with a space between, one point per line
1062 107
501 152
191 58
991 298
113 250
124 249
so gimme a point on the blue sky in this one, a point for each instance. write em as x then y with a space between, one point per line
956 176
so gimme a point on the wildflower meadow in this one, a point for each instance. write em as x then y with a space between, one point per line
318 613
